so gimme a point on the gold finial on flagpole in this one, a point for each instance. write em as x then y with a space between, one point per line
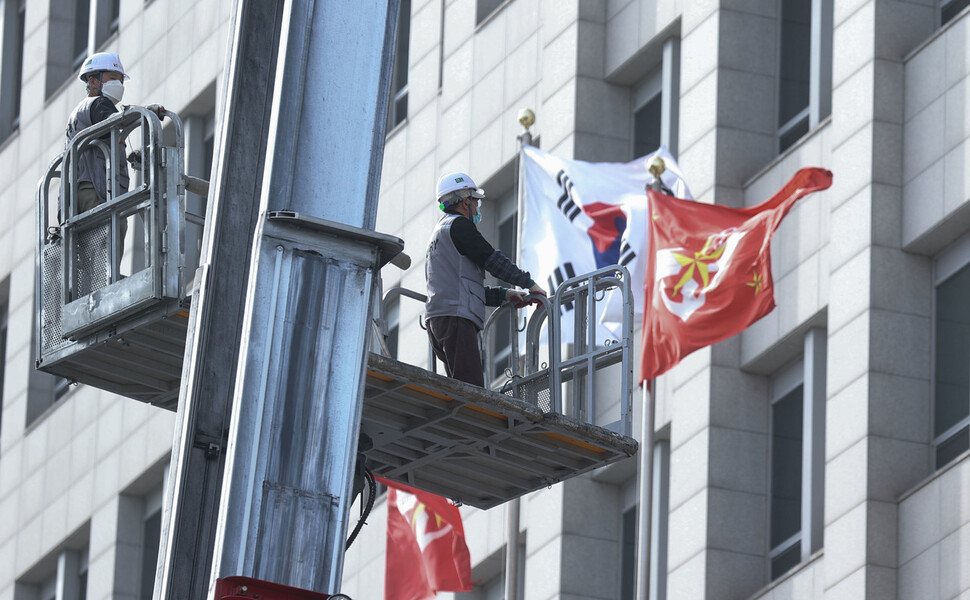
657 167
527 118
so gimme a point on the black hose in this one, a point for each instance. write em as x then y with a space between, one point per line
366 508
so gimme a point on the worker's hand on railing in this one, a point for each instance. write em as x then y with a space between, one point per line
517 298
158 109
537 289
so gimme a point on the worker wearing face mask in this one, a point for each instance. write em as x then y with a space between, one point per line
104 79
455 265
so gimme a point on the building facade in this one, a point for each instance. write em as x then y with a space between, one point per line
822 453
82 471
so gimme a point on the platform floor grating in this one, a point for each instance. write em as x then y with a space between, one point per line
472 445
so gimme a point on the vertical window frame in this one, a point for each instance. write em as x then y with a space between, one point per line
11 68
809 372
819 77
662 82
397 108
946 266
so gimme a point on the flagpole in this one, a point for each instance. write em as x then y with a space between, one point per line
645 488
526 119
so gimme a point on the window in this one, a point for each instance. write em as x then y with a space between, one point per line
796 458
398 108
441 47
489 577
393 317
106 21
67 41
44 390
655 113
646 127
951 390
805 68
785 521
502 349
11 64
658 530
80 37
949 9
485 8
499 227
61 576
629 504
199 136
151 539
4 316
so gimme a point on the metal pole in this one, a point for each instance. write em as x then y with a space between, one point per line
645 493
526 119
193 491
299 381
512 550
645 489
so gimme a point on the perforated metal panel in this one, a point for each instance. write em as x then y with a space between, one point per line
534 390
91 256
51 310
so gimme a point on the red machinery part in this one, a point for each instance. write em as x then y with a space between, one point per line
247 588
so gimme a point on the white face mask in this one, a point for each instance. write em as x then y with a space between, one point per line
113 90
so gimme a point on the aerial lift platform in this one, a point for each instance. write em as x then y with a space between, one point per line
119 323
264 342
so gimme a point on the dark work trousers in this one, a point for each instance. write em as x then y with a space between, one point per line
455 343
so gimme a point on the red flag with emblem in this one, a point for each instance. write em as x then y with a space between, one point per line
709 270
426 551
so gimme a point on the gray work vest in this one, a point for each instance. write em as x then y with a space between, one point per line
456 285
90 164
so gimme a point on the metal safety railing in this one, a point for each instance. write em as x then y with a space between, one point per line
567 376
85 284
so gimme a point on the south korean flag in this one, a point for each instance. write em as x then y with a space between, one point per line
579 216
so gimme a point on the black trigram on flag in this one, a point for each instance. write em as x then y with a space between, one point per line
565 202
626 253
559 275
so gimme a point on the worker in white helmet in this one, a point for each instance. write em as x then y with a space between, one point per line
103 77
455 266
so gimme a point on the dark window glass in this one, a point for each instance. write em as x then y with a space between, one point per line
796 43
502 336
398 109
208 149
952 393
786 467
628 556
393 317
785 561
646 127
485 8
3 356
793 134
949 10
149 560
115 14
18 63
82 586
954 446
82 16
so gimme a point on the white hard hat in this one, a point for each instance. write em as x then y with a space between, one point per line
453 182
101 61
